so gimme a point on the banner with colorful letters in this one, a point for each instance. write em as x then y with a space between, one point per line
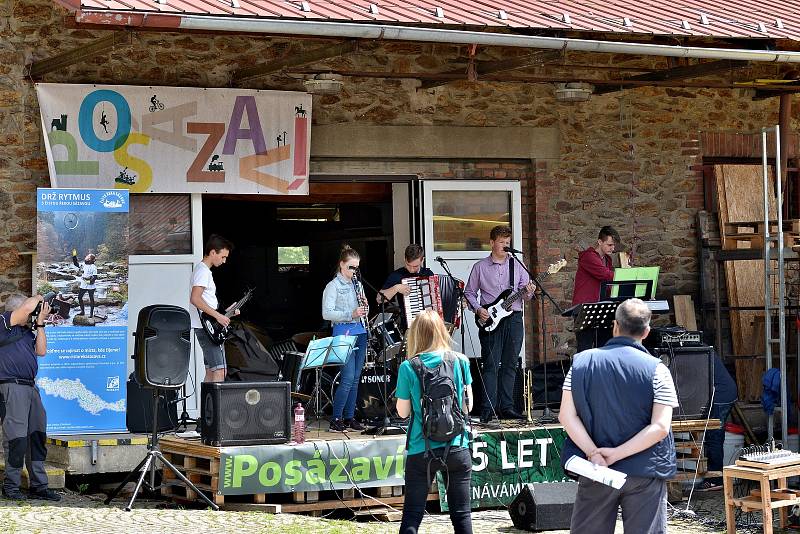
176 139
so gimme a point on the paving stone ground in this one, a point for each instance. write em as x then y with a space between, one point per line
87 514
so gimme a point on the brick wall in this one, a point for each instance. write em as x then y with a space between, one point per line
627 159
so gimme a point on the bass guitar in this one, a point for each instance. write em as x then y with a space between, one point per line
216 331
501 307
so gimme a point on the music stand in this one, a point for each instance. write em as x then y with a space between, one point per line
593 316
325 352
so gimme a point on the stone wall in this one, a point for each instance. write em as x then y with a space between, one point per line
625 158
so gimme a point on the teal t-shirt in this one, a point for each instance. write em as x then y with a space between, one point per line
408 388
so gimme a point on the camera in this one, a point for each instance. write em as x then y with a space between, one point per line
57 306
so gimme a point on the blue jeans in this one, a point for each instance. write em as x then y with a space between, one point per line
715 438
499 353
344 400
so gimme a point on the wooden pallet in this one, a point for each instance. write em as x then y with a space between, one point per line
690 457
201 465
750 234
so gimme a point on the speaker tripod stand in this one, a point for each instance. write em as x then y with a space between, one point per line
148 466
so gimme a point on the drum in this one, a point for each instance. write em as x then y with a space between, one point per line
386 335
370 403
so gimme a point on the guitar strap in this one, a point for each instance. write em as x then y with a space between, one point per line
511 273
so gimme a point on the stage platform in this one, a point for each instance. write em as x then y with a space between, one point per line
362 473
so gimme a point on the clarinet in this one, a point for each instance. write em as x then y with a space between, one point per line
362 301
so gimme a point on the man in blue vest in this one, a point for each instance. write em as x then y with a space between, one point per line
616 407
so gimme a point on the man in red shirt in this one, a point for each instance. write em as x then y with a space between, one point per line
594 267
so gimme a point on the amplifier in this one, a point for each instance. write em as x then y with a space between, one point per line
244 413
685 339
692 370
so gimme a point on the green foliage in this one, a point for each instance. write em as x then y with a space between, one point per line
44 288
293 256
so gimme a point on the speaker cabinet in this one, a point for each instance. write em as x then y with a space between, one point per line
546 506
244 413
692 370
162 346
139 412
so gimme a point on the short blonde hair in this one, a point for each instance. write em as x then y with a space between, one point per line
427 333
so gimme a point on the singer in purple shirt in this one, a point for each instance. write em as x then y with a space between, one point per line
499 348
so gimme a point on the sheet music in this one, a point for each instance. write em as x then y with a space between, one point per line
604 475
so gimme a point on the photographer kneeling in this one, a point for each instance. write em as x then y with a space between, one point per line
23 417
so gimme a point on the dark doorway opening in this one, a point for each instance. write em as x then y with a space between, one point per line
288 250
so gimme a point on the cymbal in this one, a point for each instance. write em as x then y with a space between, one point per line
304 338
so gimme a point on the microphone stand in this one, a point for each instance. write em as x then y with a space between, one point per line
385 428
547 415
461 297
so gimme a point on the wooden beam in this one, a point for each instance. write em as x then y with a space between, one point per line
682 73
117 39
491 67
294 60
616 83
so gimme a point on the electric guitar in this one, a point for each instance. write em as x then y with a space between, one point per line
501 307
216 331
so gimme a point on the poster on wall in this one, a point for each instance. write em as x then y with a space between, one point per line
82 270
176 139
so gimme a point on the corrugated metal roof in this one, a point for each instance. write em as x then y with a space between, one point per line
700 18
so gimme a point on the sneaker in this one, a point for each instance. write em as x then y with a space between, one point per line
14 494
45 494
354 424
338 425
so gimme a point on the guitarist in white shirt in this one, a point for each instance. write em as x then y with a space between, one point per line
499 348
204 298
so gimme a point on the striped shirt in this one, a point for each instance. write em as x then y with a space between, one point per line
663 387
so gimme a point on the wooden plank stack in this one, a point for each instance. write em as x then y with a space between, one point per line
692 465
740 196
750 234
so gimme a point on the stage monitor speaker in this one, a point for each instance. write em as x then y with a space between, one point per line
244 413
162 346
139 412
545 506
692 370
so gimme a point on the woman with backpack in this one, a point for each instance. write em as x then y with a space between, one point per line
344 305
434 371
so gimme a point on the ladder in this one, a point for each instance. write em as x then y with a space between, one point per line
771 304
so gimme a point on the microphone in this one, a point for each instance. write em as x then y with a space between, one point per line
440 260
512 250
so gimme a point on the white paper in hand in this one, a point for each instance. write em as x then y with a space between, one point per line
598 473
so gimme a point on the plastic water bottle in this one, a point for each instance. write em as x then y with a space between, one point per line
299 429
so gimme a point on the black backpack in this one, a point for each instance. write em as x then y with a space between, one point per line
443 418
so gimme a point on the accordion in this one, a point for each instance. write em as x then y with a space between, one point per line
424 296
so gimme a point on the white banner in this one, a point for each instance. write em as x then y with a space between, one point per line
176 139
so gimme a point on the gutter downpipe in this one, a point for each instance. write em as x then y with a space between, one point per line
435 35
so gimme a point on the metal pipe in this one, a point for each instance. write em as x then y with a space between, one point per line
781 291
768 297
431 35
